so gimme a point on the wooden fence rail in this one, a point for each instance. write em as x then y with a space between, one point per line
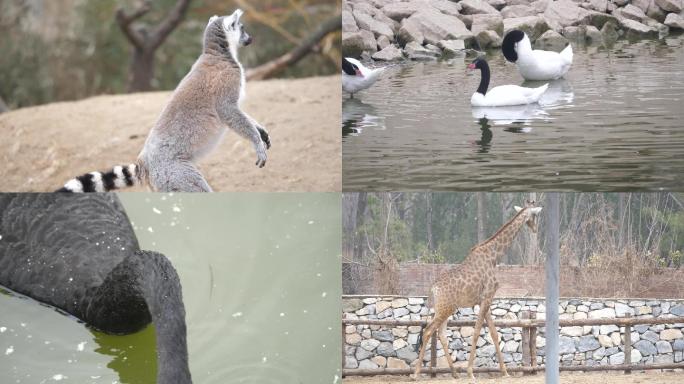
529 326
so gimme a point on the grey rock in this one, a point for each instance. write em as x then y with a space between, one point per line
677 310
447 7
400 10
486 351
383 42
641 328
497 4
618 358
645 347
389 53
452 48
487 22
415 51
472 7
369 344
594 306
636 30
551 40
621 310
533 26
609 33
599 5
365 21
670 5
407 354
350 362
354 43
567 345
587 343
650 336
367 364
643 5
383 335
634 13
399 312
362 354
663 346
663 359
410 31
456 345
348 25
593 35
436 26
351 305
386 349
517 11
578 34
489 39
678 356
678 345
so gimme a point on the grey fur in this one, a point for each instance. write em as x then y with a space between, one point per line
205 103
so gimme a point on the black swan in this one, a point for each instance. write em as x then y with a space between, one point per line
79 253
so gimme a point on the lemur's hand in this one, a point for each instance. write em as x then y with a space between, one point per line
264 136
261 154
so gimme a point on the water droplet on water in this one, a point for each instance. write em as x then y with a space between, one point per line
9 350
58 377
81 346
149 229
155 210
324 294
237 314
311 222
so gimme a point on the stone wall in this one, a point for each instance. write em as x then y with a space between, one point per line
372 347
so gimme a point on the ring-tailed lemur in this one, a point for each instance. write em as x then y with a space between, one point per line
205 103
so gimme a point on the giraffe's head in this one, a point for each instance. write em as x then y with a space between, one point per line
530 212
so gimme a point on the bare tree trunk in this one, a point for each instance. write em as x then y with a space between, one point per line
428 200
3 106
145 43
480 197
506 203
532 246
621 220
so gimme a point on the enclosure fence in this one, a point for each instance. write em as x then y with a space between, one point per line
529 325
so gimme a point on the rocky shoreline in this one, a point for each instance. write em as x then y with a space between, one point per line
389 30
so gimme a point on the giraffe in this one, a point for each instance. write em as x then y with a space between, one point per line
474 282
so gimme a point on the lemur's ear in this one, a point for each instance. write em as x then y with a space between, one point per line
212 19
517 209
236 15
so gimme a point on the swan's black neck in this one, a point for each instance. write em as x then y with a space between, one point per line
484 81
146 282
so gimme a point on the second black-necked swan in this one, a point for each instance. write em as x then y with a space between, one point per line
535 64
356 77
503 95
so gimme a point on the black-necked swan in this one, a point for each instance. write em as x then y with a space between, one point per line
535 64
503 95
356 77
79 253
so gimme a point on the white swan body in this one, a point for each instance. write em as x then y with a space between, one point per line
503 95
356 77
534 64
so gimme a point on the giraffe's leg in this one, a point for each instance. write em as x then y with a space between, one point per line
476 335
441 333
427 334
495 339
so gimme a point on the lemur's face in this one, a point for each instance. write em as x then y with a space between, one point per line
235 31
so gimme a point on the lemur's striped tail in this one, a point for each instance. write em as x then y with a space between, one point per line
120 176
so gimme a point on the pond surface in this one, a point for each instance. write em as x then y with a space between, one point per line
261 284
615 123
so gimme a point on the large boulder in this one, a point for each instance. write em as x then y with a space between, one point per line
497 4
674 21
564 13
348 22
355 43
489 39
552 40
635 30
599 5
485 22
365 21
670 5
400 10
631 12
533 26
517 11
447 7
436 26
473 7
410 31
415 51
451 48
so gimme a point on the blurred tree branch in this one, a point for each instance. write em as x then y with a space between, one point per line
146 43
305 46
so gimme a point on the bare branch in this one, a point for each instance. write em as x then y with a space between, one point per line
124 20
307 45
170 23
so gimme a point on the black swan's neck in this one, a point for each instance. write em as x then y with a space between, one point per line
484 80
147 279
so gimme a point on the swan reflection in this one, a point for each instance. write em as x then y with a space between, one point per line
357 115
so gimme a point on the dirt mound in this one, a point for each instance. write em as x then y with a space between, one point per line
42 147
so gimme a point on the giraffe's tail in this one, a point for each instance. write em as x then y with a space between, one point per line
120 176
419 343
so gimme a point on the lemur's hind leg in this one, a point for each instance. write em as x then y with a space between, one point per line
178 176
248 128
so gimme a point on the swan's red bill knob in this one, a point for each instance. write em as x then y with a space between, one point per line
471 66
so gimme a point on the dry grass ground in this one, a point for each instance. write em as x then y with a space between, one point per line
42 147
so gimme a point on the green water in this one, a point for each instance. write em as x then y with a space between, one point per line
261 285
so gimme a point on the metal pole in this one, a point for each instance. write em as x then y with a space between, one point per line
552 288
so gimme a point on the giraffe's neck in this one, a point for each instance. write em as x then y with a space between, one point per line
496 246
